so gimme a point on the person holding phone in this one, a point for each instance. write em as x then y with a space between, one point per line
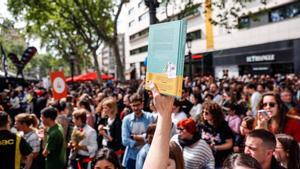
272 118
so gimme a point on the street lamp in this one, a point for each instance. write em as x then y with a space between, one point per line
72 60
152 5
189 45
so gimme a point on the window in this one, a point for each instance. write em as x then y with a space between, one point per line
271 15
139 50
143 32
144 16
130 11
139 34
131 23
195 34
277 15
244 22
285 12
293 10
140 3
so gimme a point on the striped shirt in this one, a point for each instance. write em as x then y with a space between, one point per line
197 156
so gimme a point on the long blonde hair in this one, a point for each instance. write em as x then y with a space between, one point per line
112 104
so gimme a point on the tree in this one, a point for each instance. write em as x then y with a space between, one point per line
41 64
12 40
226 12
93 22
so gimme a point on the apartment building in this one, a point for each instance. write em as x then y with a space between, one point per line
266 41
107 59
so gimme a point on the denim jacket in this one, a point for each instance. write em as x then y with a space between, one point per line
134 125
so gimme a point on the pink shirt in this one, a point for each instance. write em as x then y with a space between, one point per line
234 123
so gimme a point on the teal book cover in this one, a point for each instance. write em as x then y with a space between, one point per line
165 62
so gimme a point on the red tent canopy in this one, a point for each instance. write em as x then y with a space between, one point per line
88 77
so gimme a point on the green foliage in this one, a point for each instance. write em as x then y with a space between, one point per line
43 63
227 14
70 26
12 40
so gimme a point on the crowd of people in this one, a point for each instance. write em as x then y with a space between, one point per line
247 121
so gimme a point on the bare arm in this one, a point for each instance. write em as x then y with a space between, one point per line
227 145
28 162
158 154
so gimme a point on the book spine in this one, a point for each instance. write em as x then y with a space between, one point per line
181 54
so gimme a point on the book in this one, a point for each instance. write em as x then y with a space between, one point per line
165 61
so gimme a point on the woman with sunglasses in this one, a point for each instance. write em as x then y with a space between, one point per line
216 132
272 118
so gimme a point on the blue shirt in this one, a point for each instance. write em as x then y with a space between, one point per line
141 156
134 125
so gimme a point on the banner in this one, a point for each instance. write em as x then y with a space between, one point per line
15 60
26 57
59 87
28 54
208 25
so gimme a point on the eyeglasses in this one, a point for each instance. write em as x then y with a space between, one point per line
271 104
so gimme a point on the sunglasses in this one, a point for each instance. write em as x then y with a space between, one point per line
205 112
271 104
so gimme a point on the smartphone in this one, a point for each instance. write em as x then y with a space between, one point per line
264 112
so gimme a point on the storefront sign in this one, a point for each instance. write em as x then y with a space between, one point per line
260 58
260 68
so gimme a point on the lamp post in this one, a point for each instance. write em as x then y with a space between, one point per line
72 60
189 45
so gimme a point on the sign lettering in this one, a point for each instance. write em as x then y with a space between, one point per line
6 142
260 58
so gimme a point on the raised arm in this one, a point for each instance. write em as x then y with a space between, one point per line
158 154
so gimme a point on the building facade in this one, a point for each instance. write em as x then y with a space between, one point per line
107 59
266 40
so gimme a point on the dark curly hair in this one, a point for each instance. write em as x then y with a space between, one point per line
216 112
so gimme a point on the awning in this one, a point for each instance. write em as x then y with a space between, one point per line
89 77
